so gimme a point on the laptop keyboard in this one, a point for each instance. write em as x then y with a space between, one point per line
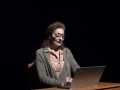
67 87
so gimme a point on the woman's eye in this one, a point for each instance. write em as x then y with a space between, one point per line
57 35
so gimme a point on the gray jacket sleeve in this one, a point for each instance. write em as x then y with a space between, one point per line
42 73
73 62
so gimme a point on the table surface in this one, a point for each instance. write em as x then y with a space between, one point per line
100 86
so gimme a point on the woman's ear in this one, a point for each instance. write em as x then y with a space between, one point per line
50 37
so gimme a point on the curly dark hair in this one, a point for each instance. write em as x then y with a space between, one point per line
51 28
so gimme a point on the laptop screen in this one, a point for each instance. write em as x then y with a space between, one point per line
87 76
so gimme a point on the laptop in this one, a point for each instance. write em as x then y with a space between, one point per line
86 77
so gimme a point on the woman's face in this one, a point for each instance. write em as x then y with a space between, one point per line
57 37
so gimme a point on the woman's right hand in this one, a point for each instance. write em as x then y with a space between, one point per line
67 81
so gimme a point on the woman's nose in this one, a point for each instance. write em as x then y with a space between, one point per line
61 37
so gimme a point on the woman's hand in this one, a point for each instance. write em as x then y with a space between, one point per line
67 81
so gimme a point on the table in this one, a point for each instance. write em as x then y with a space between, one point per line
100 86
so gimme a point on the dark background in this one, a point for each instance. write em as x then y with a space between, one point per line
91 29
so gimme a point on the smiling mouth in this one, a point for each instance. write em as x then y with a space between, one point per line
59 41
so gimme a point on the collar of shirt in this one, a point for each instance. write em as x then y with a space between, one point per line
47 50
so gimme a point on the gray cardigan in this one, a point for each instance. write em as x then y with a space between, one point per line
46 72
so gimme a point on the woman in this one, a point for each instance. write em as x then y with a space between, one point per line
54 62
